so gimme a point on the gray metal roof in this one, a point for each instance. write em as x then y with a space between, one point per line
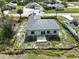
29 5
43 24
56 5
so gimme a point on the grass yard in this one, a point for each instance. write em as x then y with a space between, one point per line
63 11
74 3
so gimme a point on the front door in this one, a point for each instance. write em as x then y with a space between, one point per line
42 32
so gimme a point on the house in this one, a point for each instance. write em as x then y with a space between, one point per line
35 6
32 7
12 5
56 6
37 27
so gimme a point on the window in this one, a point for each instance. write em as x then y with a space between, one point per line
32 32
55 31
42 32
48 32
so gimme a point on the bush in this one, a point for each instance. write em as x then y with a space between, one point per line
21 3
47 8
7 8
49 17
65 4
14 1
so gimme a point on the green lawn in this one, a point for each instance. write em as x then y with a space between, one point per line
63 11
74 3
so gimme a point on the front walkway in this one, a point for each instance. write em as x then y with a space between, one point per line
41 39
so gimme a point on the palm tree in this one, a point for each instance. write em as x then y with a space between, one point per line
20 11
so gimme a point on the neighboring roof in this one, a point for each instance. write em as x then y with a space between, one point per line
43 24
55 5
34 5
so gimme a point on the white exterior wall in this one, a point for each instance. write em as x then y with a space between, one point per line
38 32
59 7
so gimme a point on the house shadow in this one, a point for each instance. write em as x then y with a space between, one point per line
48 38
30 39
53 38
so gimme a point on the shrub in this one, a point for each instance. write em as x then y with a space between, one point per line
47 8
49 17
21 3
65 4
14 1
7 8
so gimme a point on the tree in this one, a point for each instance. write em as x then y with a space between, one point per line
2 4
8 28
50 1
8 1
2 10
20 11
65 4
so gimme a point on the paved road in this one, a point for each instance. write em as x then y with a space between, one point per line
49 14
60 14
66 15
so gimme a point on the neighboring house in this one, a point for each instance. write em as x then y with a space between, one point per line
56 6
35 6
32 7
12 5
41 27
